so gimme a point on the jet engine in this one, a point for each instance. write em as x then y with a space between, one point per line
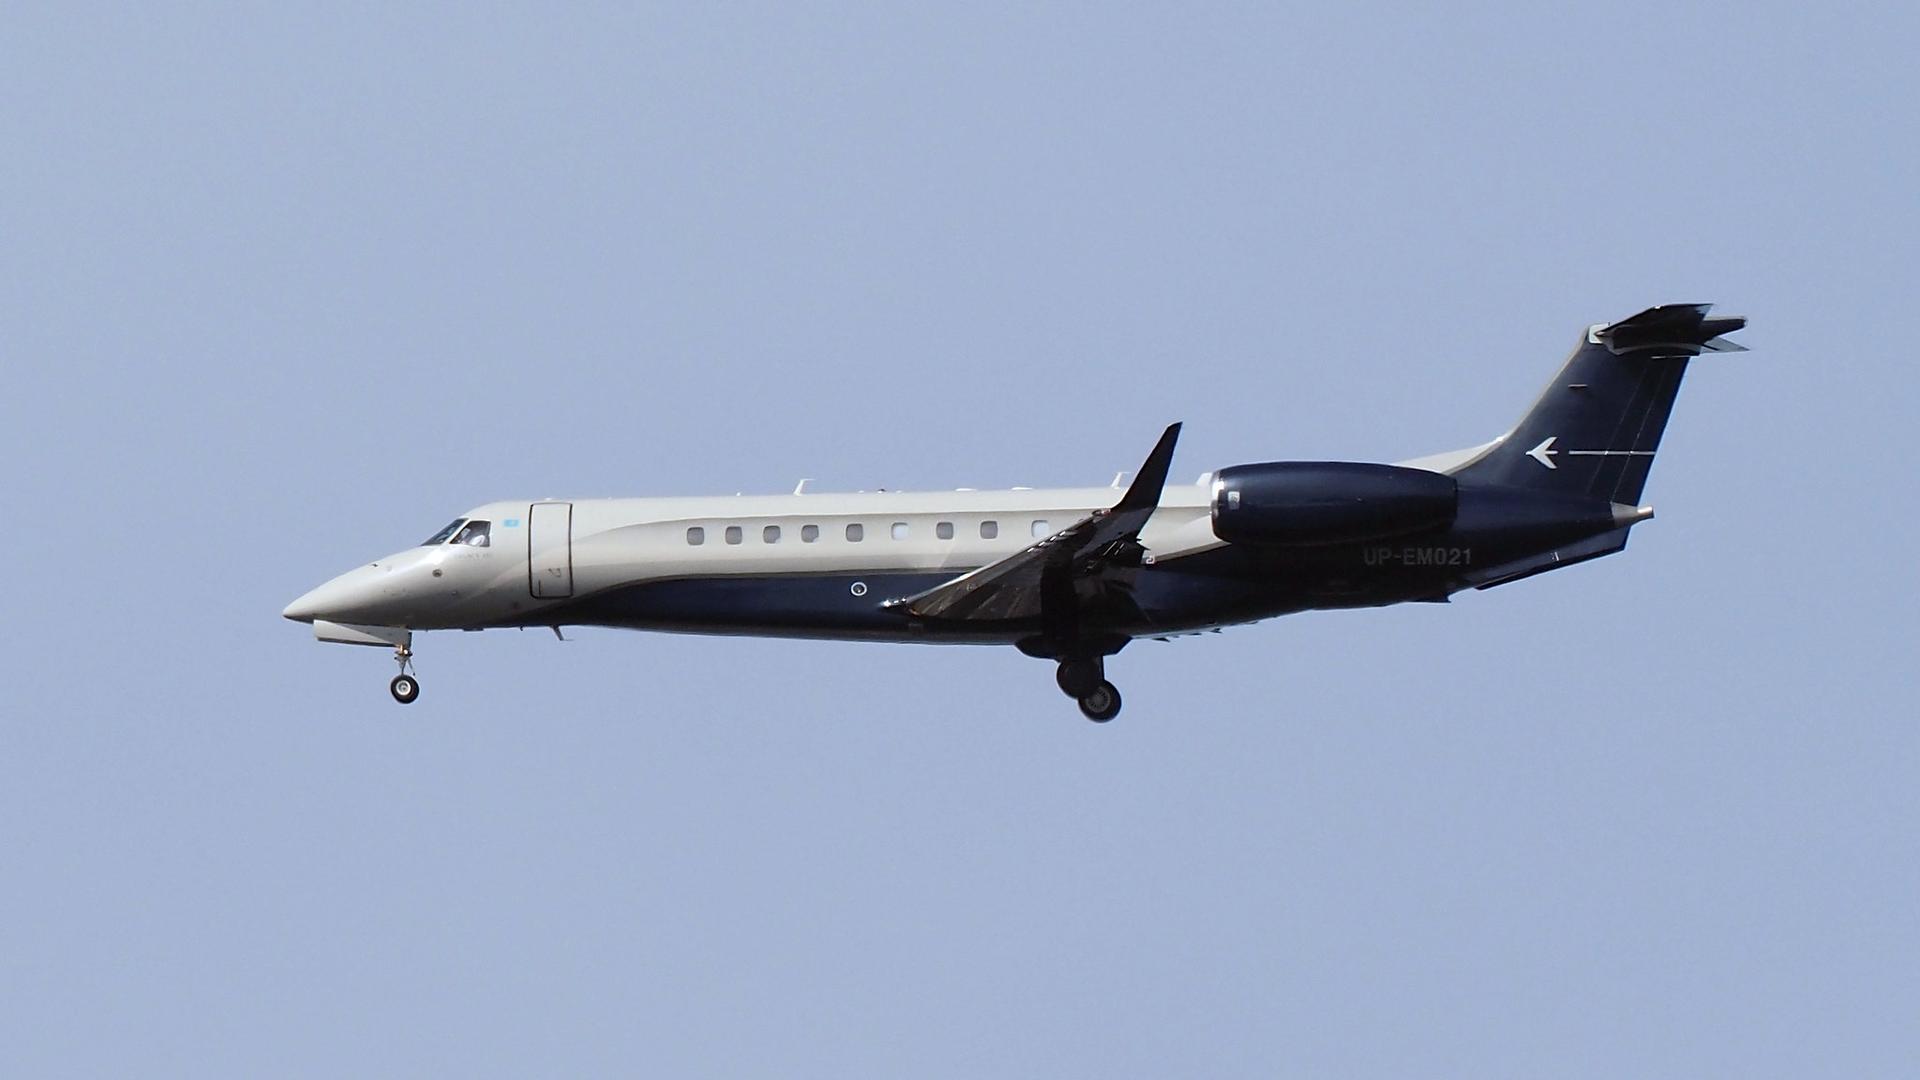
1301 503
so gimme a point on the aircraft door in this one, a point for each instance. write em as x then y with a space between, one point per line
550 550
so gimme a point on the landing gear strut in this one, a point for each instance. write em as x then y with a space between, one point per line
405 686
1086 682
1078 678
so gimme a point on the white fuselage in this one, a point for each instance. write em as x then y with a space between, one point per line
543 555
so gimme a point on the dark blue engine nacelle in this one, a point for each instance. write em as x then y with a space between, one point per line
1297 503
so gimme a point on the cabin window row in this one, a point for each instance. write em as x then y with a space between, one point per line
856 532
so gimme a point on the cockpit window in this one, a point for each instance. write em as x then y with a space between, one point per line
441 536
474 535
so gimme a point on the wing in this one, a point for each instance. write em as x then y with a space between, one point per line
1091 548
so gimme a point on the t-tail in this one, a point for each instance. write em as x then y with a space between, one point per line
1596 428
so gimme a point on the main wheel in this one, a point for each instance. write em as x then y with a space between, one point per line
1101 704
1078 678
405 688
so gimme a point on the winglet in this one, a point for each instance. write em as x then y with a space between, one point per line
1147 484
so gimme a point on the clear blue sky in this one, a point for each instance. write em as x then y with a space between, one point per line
283 289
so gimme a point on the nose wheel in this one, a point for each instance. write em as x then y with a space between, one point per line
405 686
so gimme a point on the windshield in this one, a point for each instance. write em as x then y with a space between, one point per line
441 536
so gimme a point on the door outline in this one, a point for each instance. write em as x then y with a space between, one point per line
533 531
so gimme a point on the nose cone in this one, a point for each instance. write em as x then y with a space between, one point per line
305 608
344 599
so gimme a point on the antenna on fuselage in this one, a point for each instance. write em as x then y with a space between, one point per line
801 487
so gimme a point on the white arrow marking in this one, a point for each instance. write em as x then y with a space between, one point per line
1544 452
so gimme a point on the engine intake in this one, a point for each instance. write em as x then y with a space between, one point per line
1301 503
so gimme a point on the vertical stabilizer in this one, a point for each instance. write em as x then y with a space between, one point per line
1596 428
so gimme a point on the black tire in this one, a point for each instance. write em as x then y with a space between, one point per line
404 688
1102 703
1078 678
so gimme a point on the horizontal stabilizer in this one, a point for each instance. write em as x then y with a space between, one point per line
1682 329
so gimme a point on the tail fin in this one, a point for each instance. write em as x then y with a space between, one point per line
1595 429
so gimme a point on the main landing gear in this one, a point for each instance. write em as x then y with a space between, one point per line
405 686
1086 682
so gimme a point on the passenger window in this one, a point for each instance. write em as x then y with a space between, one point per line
944 530
989 530
474 535
696 536
733 534
1041 528
855 533
899 530
809 533
770 534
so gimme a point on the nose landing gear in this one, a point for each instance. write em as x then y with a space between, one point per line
405 686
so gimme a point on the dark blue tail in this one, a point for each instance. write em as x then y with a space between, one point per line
1596 428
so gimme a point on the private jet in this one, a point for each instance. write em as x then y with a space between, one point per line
1070 575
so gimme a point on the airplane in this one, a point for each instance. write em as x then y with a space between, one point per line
1068 575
